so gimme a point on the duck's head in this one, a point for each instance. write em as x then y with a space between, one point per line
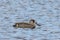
32 21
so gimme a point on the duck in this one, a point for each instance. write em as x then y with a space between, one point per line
31 24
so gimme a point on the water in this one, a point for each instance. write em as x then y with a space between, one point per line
45 12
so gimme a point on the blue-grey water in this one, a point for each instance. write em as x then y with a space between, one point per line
45 12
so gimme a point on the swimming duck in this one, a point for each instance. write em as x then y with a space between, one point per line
31 24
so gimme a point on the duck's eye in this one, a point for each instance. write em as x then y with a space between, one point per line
32 21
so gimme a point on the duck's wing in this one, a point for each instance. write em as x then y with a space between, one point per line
23 23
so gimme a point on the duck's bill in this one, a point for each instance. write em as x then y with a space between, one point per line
38 24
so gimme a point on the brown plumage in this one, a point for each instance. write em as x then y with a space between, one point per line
31 24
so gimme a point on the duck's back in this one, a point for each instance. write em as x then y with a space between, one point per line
25 25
